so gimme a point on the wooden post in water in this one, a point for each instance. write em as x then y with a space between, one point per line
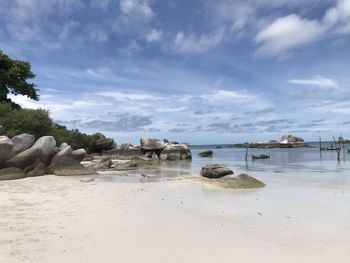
337 149
246 151
320 145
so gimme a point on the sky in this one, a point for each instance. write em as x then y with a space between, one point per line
199 71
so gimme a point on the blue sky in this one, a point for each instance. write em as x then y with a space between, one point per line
198 71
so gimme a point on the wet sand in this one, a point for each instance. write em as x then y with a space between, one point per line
118 219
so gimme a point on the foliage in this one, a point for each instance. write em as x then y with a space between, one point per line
38 123
14 76
73 137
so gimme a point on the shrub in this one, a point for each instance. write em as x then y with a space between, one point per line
38 123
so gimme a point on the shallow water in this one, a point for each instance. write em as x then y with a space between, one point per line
292 165
304 165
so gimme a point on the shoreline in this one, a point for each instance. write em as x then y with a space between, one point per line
55 219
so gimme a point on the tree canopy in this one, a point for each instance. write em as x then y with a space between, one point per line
14 76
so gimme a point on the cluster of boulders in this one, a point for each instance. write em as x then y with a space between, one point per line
223 178
150 148
165 150
22 156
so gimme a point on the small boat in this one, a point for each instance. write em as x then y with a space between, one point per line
261 156
333 149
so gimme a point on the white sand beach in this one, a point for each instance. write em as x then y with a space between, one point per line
61 219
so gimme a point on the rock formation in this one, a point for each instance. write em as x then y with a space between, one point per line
206 153
215 171
22 157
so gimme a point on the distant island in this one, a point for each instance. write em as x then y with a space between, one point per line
287 141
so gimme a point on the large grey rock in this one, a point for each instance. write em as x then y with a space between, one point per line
206 153
43 149
79 154
63 145
11 173
2 130
170 153
151 144
6 150
67 151
104 164
242 181
22 142
215 171
36 169
175 153
67 166
104 144
126 146
185 152
99 135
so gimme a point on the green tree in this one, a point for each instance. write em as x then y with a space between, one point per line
14 76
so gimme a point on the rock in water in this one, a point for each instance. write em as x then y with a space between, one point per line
6 150
170 153
43 149
242 181
11 174
2 130
151 144
176 153
67 166
215 171
207 153
22 142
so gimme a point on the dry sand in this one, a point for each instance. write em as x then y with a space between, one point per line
61 219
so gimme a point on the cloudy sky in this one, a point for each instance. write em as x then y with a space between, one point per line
199 71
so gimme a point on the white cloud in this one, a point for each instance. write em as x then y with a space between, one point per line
128 96
338 14
292 31
319 82
192 44
287 33
227 95
339 17
131 49
154 35
137 8
30 20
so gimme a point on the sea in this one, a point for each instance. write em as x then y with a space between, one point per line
306 166
303 165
